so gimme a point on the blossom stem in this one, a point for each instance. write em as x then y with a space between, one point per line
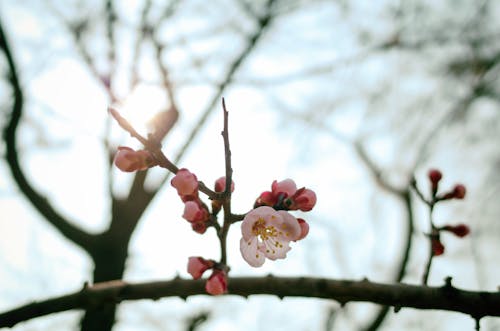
227 191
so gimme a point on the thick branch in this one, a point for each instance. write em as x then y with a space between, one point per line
70 231
447 297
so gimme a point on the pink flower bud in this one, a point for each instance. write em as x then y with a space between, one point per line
265 199
460 230
199 227
304 229
286 186
304 199
129 160
185 182
216 283
198 265
220 185
194 212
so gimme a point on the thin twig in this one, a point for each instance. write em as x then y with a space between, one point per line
227 191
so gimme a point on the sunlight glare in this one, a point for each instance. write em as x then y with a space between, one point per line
142 104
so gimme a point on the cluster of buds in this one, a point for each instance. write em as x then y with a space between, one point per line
459 230
129 160
435 176
269 228
217 282
195 211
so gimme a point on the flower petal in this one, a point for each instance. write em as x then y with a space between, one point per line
274 249
289 229
250 252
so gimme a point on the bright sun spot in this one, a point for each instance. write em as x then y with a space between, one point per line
142 104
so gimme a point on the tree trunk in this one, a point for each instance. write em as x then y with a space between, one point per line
109 264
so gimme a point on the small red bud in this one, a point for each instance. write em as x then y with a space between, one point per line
459 191
435 176
460 230
437 246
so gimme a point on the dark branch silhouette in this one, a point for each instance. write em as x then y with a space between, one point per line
446 297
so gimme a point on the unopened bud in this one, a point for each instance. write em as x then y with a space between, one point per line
437 246
434 176
459 191
460 230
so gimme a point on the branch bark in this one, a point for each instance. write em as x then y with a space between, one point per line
446 297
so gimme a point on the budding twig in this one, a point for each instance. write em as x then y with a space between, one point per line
227 191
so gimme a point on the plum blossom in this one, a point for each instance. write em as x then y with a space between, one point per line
216 283
198 265
267 233
186 183
129 160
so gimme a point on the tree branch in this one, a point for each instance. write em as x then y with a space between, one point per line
65 227
446 297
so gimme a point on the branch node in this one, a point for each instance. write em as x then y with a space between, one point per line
447 284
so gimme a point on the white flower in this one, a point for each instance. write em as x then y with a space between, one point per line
267 233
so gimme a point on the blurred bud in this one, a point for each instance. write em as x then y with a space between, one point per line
129 160
434 176
459 191
437 246
460 230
